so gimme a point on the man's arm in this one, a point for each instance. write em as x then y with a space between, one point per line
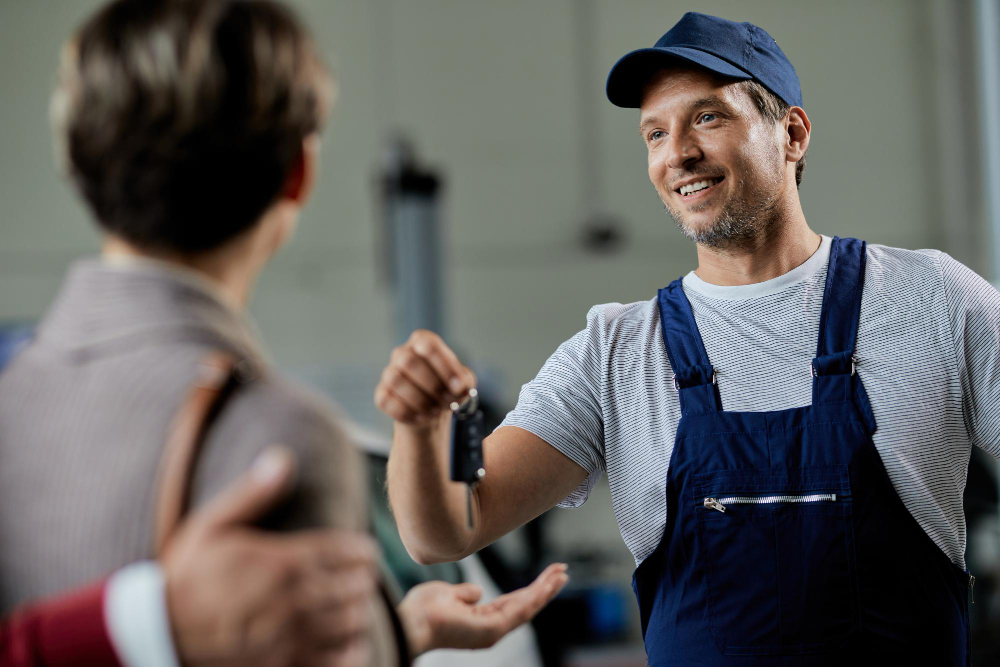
974 310
68 630
525 475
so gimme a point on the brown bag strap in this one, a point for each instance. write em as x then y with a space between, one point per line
216 377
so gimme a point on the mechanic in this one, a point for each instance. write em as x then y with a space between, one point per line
786 429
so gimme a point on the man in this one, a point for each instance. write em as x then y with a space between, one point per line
216 574
785 430
191 129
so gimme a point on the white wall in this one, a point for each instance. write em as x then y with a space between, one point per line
488 90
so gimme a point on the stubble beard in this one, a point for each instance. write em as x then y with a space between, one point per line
744 222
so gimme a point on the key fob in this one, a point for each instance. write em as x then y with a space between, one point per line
468 428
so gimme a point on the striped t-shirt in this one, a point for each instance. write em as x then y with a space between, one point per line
928 352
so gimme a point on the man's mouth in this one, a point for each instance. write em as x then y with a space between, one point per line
691 189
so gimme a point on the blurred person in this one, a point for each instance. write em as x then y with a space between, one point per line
222 593
190 128
787 501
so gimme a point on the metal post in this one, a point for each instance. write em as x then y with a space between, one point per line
987 21
411 212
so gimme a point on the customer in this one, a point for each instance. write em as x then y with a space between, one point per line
191 130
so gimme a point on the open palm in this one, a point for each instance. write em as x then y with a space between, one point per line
441 615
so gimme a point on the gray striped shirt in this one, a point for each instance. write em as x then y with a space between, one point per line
929 356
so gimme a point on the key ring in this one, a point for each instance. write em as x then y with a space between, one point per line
468 406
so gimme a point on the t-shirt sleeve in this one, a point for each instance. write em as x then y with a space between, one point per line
562 405
974 310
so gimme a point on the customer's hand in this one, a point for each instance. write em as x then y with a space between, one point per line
439 615
240 596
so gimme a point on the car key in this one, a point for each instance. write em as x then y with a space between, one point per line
468 429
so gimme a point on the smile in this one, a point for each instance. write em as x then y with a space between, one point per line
698 187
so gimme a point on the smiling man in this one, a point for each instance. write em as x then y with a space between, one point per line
786 429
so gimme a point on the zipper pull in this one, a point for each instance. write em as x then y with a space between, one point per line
972 584
713 504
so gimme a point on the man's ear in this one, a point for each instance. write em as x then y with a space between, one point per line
798 129
302 177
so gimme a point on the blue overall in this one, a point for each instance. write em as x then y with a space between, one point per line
785 542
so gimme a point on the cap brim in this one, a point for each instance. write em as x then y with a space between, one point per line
631 73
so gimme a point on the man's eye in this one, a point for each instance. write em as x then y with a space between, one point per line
656 135
707 117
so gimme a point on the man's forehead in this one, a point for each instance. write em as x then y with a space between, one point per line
679 85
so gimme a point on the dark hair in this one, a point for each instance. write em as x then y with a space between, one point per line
180 120
774 109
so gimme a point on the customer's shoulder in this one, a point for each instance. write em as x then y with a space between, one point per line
272 410
283 407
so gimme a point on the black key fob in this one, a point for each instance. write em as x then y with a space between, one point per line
468 428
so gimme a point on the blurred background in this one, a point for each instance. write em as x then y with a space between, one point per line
484 126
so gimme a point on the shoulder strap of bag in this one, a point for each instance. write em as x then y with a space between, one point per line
217 376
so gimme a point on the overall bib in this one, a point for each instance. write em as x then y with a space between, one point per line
785 541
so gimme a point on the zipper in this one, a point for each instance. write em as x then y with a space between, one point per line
972 583
719 504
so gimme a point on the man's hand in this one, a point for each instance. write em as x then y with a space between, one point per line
439 615
239 596
416 389
422 379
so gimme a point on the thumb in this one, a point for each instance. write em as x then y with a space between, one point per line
468 593
257 490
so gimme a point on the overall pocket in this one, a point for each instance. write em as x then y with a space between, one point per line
778 552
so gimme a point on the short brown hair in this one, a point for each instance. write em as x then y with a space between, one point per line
180 120
774 109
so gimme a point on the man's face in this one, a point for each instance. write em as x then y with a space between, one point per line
701 130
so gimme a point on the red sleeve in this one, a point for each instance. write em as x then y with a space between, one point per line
66 630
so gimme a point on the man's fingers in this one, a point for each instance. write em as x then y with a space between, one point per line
419 371
402 386
322 590
522 605
256 491
468 593
444 361
336 549
392 405
338 626
423 375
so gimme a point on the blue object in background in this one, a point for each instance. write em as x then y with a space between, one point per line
12 339
607 613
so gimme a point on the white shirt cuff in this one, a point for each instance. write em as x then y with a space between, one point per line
135 613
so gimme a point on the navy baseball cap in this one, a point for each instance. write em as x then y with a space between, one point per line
737 50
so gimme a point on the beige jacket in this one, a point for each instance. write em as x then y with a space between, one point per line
84 411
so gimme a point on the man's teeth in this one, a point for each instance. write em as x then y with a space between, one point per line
700 185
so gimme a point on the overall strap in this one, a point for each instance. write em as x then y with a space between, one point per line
834 367
694 376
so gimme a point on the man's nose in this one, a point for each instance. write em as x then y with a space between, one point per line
682 152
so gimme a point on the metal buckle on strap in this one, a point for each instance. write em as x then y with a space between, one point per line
854 367
673 379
